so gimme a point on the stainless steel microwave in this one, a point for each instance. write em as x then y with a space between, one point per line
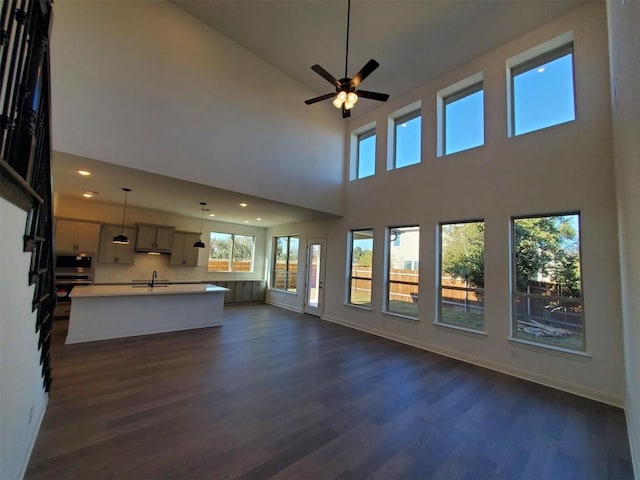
74 262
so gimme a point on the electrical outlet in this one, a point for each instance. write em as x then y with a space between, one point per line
31 414
514 353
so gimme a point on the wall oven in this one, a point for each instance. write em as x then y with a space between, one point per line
70 271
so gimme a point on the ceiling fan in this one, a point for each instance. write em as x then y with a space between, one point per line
346 95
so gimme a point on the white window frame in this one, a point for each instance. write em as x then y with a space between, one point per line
399 121
287 271
514 290
451 92
440 287
387 270
233 243
357 135
350 269
529 57
452 98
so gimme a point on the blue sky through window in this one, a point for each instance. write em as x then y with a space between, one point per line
408 138
464 123
544 96
366 156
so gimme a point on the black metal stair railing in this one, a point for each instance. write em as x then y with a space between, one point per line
25 148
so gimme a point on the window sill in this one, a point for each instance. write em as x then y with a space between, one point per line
479 333
292 294
551 349
357 307
400 316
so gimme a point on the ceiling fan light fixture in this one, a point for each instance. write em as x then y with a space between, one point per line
341 97
346 94
351 100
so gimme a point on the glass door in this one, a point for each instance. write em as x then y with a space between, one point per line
314 283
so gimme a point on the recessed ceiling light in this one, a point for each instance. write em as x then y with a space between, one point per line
541 69
84 173
212 214
244 205
258 218
246 221
89 194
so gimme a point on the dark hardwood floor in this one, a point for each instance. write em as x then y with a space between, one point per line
276 394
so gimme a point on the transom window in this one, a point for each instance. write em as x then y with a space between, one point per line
408 134
366 156
230 252
543 91
360 268
403 277
461 292
285 264
547 284
463 114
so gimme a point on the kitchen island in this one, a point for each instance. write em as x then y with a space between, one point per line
100 312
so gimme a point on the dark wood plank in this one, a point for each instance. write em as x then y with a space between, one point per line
275 394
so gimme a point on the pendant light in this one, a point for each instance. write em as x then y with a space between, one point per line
122 239
200 243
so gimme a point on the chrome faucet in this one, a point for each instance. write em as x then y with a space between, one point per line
154 275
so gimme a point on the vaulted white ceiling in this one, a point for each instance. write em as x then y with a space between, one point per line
415 41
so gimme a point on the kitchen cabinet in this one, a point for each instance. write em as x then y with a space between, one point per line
258 291
77 237
113 253
182 251
229 295
243 291
154 238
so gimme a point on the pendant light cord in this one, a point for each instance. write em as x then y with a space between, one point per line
124 211
346 57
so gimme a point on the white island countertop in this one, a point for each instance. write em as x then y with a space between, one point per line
100 312
129 290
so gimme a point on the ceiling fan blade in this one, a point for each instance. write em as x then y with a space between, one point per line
381 97
346 113
320 98
364 72
326 75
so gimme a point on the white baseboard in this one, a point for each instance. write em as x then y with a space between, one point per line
34 437
286 306
558 384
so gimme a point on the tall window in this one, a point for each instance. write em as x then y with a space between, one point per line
463 114
461 292
547 284
408 135
366 158
285 264
360 271
543 91
229 252
402 270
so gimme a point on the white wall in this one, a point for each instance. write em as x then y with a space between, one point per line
144 264
22 397
624 38
564 168
145 85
